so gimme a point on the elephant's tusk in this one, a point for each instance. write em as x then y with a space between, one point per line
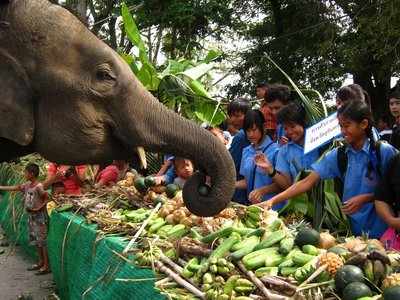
142 157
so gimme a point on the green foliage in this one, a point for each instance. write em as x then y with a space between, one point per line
179 85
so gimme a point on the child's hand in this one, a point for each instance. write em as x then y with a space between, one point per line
283 140
353 205
255 196
262 161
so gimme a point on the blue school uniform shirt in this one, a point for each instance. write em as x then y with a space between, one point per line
280 132
260 178
239 142
291 159
357 182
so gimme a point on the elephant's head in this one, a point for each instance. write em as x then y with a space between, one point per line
70 97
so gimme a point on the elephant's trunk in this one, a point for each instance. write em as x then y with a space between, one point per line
163 130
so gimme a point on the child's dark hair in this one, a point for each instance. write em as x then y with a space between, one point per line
292 113
353 92
278 92
254 117
394 92
33 169
358 111
262 85
238 105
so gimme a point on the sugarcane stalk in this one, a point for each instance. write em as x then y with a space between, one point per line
177 268
267 293
182 282
314 285
272 280
139 232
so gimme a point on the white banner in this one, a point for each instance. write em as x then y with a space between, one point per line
321 133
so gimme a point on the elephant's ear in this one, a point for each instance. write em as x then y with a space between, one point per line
16 107
4 2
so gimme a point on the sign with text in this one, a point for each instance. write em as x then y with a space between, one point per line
321 133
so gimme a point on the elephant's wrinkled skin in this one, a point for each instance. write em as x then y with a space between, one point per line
70 97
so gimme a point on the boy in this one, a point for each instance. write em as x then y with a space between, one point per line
183 169
237 109
277 97
394 105
112 174
35 201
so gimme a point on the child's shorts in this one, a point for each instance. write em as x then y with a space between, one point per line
37 226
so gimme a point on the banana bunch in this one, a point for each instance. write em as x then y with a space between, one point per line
147 257
253 216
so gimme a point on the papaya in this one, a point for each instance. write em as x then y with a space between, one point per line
140 184
150 181
392 293
346 275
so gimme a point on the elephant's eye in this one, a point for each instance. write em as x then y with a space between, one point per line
103 74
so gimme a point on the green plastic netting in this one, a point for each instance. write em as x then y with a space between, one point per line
84 264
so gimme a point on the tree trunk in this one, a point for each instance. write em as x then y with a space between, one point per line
79 7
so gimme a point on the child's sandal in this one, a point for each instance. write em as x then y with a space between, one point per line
34 268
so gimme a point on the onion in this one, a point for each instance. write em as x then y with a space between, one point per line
170 219
326 240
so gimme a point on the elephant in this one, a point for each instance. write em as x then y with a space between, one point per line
68 96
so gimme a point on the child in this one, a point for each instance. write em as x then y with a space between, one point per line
259 185
277 97
394 106
237 109
112 173
291 159
183 169
366 161
35 201
387 203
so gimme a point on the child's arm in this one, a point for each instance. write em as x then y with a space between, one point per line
241 184
256 195
11 188
353 204
165 166
385 212
298 188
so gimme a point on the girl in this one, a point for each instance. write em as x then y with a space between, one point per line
361 176
259 185
291 159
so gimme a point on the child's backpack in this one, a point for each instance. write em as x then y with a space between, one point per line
342 161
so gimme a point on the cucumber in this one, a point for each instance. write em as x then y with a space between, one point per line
257 259
274 260
286 271
266 271
286 245
248 248
271 239
245 242
256 232
225 246
301 258
224 232
310 249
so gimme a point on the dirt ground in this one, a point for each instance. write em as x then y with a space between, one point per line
18 283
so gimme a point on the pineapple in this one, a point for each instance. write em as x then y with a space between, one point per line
332 261
391 280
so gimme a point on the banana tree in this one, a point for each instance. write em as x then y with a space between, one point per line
180 85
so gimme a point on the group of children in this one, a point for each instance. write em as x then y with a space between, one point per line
269 163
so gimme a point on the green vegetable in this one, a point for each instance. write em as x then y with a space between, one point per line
213 269
225 246
264 271
224 232
245 242
248 248
140 184
256 232
157 225
223 270
177 231
286 263
208 278
275 225
243 230
310 249
163 231
286 271
274 260
286 245
307 236
304 272
243 289
171 190
244 282
257 258
271 239
150 181
301 258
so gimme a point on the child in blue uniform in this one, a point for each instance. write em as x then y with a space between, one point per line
291 159
259 185
361 175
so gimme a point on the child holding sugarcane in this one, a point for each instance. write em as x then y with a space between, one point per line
35 200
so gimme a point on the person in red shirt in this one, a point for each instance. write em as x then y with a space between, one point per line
112 174
71 177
